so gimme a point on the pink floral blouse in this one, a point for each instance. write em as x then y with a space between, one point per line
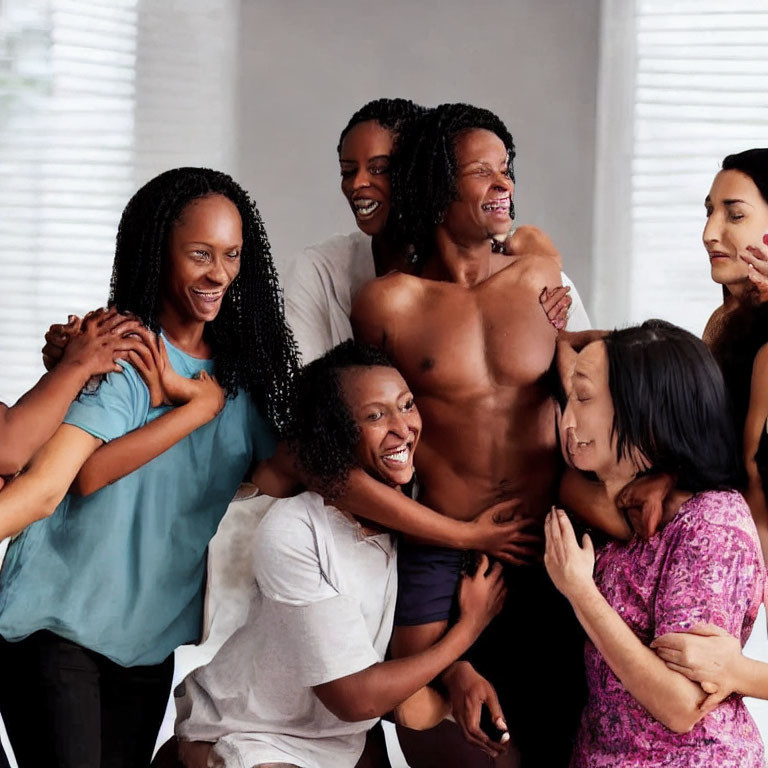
705 565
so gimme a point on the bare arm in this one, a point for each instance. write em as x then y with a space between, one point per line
754 428
35 417
712 657
492 531
36 493
380 688
669 696
590 502
200 400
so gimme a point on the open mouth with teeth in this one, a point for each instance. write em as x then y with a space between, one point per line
398 457
207 296
500 205
365 207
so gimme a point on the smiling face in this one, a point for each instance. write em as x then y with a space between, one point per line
383 408
364 161
484 189
737 216
203 259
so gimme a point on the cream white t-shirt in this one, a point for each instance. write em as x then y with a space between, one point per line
322 605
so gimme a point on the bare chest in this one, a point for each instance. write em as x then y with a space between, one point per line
466 340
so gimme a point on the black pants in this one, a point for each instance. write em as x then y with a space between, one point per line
69 707
533 653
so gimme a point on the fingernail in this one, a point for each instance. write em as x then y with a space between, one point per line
500 724
765 238
504 738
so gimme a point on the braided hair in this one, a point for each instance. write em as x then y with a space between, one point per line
424 169
323 433
253 347
392 114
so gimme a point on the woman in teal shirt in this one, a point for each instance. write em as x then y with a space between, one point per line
95 598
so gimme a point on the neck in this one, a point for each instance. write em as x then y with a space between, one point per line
186 336
738 293
615 482
464 263
389 256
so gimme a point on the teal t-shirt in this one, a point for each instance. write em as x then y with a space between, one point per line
121 571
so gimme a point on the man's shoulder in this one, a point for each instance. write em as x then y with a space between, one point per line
388 293
532 271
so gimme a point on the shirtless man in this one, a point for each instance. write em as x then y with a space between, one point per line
471 340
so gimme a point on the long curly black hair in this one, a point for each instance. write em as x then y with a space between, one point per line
424 169
393 114
253 347
323 433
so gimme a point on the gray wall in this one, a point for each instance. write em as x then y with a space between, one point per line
306 66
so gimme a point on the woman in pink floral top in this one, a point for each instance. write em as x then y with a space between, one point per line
651 399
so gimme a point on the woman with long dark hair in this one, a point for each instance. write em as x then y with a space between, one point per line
737 332
95 598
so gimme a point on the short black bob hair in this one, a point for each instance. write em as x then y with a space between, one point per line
392 114
670 404
253 347
424 169
753 163
324 434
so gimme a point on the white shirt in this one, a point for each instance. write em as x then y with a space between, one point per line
321 285
321 608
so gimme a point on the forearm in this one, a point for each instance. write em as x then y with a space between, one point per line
380 688
36 493
36 416
752 678
591 503
126 454
375 501
669 696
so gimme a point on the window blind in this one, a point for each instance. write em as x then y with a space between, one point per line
66 165
700 94
96 97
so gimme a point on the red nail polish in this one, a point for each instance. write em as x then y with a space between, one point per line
765 238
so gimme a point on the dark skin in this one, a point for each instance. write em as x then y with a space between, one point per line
364 163
97 344
472 342
450 333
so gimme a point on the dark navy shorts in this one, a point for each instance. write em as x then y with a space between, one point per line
427 583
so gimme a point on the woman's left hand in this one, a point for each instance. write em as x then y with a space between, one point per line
757 258
569 565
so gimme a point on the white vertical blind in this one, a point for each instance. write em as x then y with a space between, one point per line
700 94
96 97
